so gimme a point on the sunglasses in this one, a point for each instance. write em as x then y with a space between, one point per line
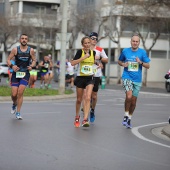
94 38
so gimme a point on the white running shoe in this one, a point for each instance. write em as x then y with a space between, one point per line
18 116
41 86
46 86
13 109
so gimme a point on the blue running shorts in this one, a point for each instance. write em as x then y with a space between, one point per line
18 81
128 85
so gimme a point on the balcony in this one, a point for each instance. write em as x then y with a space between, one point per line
49 1
43 20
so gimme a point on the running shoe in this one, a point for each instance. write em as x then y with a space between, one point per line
85 123
18 116
13 109
7 81
49 86
92 116
128 124
46 86
32 86
124 120
77 121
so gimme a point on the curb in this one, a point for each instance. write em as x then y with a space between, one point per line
40 98
166 130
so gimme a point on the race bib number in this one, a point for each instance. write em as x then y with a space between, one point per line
20 74
87 70
133 66
46 65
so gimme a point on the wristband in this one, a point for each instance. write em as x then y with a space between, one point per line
11 65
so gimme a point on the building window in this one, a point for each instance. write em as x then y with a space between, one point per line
2 8
40 10
112 59
159 54
143 27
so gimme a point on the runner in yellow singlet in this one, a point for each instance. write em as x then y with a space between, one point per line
85 58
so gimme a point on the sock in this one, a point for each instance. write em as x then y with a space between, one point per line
126 114
130 117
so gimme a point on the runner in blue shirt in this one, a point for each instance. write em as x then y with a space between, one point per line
132 59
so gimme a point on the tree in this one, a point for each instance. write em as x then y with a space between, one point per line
144 18
153 20
8 36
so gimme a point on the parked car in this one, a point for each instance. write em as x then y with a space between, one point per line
3 69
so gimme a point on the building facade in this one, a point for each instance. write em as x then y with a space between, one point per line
41 20
124 17
38 18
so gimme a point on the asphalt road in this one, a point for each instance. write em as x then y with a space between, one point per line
46 138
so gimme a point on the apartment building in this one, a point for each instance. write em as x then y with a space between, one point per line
121 11
118 17
40 19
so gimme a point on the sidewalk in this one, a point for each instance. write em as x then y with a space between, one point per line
166 130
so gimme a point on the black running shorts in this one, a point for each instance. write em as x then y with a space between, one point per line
83 81
96 84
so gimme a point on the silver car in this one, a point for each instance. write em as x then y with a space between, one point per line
3 69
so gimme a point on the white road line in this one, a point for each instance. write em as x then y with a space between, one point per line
156 94
135 131
142 92
155 105
56 112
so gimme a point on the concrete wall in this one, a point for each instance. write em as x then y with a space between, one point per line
156 73
158 69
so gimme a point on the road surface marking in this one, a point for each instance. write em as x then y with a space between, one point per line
135 131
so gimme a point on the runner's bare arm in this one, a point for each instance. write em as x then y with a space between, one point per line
104 60
11 55
74 62
146 65
123 64
41 64
51 63
33 57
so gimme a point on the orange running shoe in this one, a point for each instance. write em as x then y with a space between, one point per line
33 85
77 121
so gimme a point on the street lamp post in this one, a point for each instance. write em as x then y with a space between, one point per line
109 59
63 46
